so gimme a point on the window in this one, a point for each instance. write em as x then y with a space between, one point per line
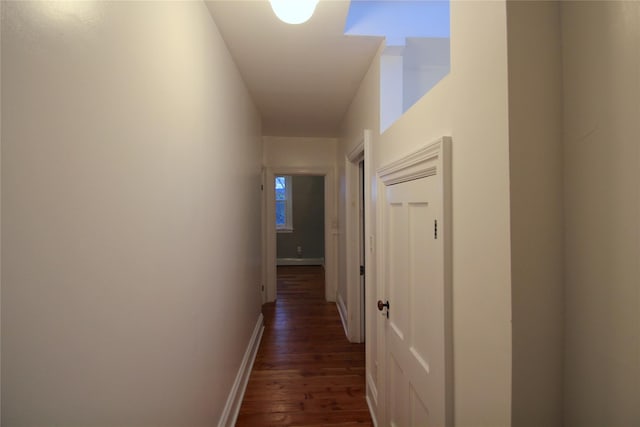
284 222
417 53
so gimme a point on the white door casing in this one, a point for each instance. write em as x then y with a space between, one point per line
353 218
363 151
415 269
330 227
264 238
361 247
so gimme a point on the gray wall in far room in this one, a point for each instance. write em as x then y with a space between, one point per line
308 219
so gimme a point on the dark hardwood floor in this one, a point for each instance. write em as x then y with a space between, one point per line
306 372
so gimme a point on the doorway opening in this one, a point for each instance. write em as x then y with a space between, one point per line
356 308
299 218
299 224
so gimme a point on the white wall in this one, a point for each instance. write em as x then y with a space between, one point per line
471 105
546 207
481 243
535 143
299 152
601 52
363 113
131 158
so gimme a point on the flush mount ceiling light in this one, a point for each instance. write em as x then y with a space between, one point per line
294 11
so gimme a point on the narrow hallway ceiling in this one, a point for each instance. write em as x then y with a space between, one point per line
302 77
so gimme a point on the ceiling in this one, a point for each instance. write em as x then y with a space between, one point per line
301 77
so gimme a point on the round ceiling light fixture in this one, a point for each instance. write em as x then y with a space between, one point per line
294 11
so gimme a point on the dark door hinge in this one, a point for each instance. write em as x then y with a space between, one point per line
435 229
362 270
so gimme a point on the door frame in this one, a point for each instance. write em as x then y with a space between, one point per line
263 237
330 234
355 304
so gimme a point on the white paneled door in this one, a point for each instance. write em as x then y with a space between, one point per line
416 300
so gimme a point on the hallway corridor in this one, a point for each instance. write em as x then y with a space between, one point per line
306 372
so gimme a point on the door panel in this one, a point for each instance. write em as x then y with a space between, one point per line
419 244
397 268
414 211
415 289
398 400
419 415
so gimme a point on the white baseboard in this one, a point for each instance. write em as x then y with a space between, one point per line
300 261
232 407
342 310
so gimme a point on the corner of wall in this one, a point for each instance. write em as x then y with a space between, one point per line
535 156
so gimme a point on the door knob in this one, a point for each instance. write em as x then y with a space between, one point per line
382 305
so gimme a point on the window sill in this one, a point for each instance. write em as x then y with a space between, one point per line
284 230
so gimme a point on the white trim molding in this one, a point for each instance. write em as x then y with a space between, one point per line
232 407
371 384
342 311
300 261
372 398
330 227
353 238
358 238
372 412
356 152
418 164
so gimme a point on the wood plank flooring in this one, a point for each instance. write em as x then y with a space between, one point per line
306 372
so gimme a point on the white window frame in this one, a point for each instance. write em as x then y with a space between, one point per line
287 227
